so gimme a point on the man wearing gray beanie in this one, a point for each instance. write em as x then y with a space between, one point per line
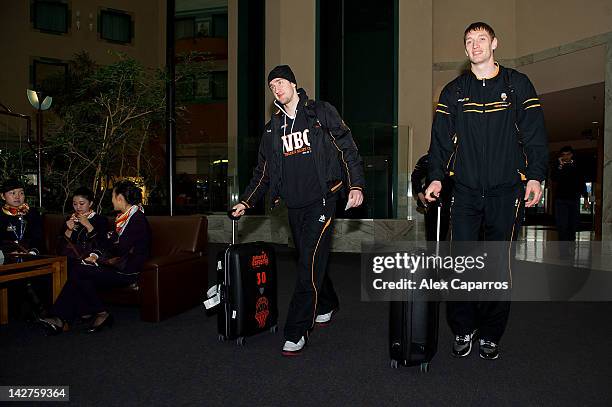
308 158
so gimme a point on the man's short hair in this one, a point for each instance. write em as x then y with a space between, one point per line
479 25
567 149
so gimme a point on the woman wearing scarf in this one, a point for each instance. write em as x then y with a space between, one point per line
21 234
84 230
20 225
118 264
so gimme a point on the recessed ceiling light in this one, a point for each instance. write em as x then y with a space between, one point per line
594 122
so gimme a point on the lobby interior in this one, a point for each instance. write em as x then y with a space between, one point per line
383 65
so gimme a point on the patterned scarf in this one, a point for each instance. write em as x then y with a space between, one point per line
21 210
122 219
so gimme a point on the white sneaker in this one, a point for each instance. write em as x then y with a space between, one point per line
324 318
292 348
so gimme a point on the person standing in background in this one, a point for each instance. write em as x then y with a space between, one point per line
570 185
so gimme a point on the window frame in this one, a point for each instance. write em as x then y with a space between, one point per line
44 61
34 12
193 28
114 12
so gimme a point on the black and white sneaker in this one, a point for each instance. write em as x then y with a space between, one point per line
293 348
488 350
325 319
462 345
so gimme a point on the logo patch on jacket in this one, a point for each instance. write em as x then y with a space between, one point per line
296 143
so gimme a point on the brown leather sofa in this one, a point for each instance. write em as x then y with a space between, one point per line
175 277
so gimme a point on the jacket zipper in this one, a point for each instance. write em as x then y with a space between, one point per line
453 157
484 149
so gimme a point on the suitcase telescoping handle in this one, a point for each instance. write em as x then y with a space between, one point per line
438 204
234 218
438 220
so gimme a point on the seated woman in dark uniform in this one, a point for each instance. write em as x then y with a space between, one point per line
21 234
84 230
117 264
20 225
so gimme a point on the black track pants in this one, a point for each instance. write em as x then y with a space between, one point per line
314 293
494 217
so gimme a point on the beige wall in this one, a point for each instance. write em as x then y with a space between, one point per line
415 74
440 79
544 24
522 26
568 71
451 17
290 40
25 43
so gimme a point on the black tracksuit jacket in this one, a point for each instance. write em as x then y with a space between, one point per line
338 163
489 134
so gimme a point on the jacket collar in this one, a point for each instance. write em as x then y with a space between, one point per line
302 102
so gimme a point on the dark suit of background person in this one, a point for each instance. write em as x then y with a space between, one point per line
570 185
118 264
418 179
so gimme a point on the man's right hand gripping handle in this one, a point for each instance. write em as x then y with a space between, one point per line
238 210
432 193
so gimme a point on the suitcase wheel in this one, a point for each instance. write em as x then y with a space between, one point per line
221 338
393 364
424 367
274 329
240 341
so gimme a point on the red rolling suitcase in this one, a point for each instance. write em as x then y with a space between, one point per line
246 290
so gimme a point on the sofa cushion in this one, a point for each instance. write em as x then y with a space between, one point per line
175 234
52 226
163 261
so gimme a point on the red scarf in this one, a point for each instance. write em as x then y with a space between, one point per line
122 219
20 210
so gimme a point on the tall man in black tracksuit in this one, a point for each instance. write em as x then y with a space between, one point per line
307 157
498 161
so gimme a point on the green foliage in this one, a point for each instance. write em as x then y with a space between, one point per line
13 161
104 114
107 118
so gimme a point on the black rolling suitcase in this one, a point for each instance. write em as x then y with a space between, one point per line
413 326
245 291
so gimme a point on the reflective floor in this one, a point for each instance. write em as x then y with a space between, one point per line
539 244
549 233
